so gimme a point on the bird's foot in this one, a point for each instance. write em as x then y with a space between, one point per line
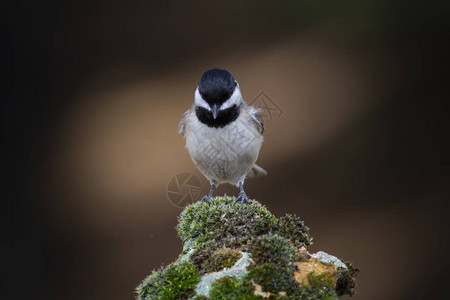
242 197
206 198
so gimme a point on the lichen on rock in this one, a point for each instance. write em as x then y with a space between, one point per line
241 251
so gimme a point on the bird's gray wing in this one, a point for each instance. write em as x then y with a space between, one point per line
256 170
183 122
256 119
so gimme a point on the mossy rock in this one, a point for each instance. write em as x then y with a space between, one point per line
241 251
177 281
209 258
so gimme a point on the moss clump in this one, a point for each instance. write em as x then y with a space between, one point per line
232 288
273 267
211 259
272 278
241 251
326 280
313 293
177 281
271 248
294 229
346 282
222 218
225 220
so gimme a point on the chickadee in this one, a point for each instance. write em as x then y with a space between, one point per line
223 133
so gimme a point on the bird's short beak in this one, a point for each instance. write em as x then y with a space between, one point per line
215 110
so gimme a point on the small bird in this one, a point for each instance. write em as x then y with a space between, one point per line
223 133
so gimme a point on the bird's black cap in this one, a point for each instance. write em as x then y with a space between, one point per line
216 86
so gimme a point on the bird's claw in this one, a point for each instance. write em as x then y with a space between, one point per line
242 197
206 198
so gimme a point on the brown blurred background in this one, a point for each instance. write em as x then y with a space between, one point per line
91 99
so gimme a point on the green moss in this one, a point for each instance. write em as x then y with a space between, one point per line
222 218
313 293
273 263
346 282
271 277
177 281
271 248
226 257
294 229
225 223
243 289
321 280
232 288
209 258
216 233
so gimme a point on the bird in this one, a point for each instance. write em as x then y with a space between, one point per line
223 133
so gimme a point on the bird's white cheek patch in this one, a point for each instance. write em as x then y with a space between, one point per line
200 102
235 99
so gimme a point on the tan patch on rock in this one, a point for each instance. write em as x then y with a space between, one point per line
316 271
259 292
303 253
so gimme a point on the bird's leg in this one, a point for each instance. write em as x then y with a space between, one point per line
242 197
209 196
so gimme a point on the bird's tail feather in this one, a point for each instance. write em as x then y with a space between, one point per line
256 171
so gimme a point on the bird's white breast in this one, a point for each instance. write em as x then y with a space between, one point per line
223 154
